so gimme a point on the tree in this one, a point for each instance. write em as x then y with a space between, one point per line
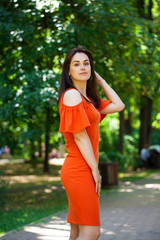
28 80
149 80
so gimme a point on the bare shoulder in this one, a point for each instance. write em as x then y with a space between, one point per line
72 97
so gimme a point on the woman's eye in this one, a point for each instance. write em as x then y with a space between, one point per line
77 64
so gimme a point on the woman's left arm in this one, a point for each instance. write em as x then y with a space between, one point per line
117 105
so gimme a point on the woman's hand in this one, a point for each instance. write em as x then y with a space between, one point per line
116 104
97 179
99 78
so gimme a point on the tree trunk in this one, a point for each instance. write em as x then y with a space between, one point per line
121 131
145 119
140 7
40 146
128 124
150 6
46 164
146 109
32 153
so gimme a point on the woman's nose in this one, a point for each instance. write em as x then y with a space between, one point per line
82 66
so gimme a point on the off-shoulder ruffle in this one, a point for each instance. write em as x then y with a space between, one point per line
73 118
104 103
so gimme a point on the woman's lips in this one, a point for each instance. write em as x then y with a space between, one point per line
83 73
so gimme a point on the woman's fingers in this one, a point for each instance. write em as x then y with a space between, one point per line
97 179
99 187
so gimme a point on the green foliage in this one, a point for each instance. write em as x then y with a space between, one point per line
3 191
155 137
119 158
128 160
126 53
109 133
130 151
103 158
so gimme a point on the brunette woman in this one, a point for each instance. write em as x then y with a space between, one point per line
81 110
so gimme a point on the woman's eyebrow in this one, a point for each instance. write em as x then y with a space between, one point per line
78 61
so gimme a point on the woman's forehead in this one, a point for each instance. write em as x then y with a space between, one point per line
79 56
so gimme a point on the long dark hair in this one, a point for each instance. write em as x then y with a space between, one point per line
66 83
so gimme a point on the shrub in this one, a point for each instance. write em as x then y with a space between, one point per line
119 158
103 158
129 159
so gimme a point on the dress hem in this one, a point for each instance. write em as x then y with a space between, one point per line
84 223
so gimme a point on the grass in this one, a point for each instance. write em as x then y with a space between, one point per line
136 175
33 195
15 217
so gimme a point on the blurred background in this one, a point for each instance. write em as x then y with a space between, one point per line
35 36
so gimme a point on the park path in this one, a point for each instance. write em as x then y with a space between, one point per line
130 212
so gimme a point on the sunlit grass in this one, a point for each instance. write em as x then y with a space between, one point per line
32 195
136 175
28 206
31 210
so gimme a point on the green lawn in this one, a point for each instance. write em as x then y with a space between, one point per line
136 175
33 195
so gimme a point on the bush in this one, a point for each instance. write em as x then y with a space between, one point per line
119 158
103 158
129 159
131 152
3 191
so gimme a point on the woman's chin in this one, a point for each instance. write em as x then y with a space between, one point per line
81 78
84 78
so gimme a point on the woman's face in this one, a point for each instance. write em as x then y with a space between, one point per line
80 68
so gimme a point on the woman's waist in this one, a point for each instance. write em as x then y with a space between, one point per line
76 162
75 153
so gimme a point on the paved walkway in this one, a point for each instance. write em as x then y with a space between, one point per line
131 212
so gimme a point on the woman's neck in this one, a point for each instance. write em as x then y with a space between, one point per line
81 87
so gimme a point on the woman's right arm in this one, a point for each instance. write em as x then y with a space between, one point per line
84 144
72 98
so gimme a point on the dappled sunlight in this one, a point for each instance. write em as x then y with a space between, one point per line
56 161
123 228
149 183
125 190
139 187
47 190
35 192
54 229
156 177
110 233
55 187
31 179
153 186
131 187
127 183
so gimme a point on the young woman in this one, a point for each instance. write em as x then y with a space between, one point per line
81 110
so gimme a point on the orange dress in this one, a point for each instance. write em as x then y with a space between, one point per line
76 176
